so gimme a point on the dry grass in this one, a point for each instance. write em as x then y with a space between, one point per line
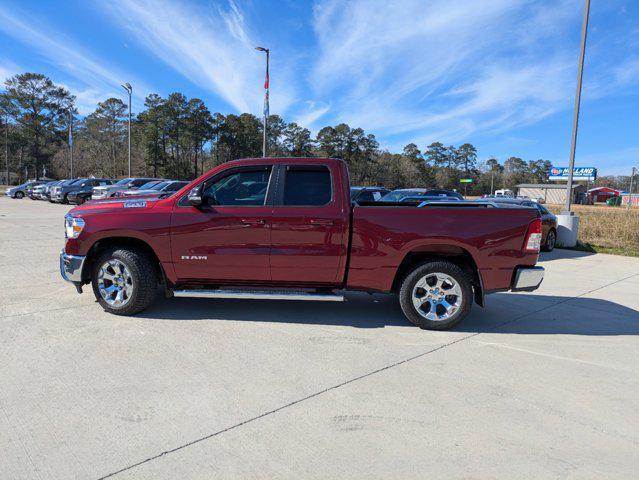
607 229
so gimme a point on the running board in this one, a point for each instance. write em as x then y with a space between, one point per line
260 295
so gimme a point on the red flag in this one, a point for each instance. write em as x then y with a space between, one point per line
266 81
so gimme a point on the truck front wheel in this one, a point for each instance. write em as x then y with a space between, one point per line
124 280
436 295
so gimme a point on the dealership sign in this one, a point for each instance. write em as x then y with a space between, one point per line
578 173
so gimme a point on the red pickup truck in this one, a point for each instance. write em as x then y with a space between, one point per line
286 228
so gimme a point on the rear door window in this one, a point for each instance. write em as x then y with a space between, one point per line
307 185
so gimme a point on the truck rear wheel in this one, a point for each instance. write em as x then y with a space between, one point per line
436 295
124 280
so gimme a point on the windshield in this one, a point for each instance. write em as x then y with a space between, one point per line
79 180
124 181
397 195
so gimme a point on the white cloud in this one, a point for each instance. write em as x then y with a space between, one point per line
214 50
93 80
311 113
7 69
443 69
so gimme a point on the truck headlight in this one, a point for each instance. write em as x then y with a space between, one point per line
73 226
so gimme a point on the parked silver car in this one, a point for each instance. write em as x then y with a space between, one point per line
20 191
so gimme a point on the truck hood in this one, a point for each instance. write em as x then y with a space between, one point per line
125 205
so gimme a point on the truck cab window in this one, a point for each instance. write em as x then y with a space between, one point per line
239 188
307 186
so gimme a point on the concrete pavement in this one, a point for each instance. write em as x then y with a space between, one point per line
534 386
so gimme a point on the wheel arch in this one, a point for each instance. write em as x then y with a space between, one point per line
454 254
102 244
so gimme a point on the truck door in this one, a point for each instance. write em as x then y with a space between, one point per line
309 233
228 238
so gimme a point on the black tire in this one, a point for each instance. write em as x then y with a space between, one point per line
143 275
440 266
19 195
65 199
551 241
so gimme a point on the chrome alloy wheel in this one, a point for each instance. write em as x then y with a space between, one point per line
115 283
437 296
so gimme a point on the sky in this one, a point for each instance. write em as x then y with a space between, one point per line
500 74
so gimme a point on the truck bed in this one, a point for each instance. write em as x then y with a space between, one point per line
385 235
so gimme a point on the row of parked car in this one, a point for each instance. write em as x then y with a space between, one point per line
79 190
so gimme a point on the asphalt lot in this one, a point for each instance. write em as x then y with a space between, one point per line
541 385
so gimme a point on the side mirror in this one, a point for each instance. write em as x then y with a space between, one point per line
195 196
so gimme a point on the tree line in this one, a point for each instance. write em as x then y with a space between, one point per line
178 137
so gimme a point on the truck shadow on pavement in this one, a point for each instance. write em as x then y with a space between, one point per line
505 313
562 253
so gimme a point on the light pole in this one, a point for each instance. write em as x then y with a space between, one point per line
492 177
567 223
575 120
129 89
632 177
6 144
266 106
70 144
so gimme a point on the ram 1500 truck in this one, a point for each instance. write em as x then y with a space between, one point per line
285 228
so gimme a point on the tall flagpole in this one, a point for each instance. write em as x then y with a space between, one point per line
266 105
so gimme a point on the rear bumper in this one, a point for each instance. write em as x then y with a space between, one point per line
527 279
71 267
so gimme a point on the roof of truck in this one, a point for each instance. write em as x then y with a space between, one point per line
302 160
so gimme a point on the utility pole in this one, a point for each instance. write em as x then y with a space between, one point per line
6 145
575 121
266 105
632 177
129 89
70 144
492 176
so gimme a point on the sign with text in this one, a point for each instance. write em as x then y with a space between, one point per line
465 180
579 173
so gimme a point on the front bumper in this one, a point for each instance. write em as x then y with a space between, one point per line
528 279
71 267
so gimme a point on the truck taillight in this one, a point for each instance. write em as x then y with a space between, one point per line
533 237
